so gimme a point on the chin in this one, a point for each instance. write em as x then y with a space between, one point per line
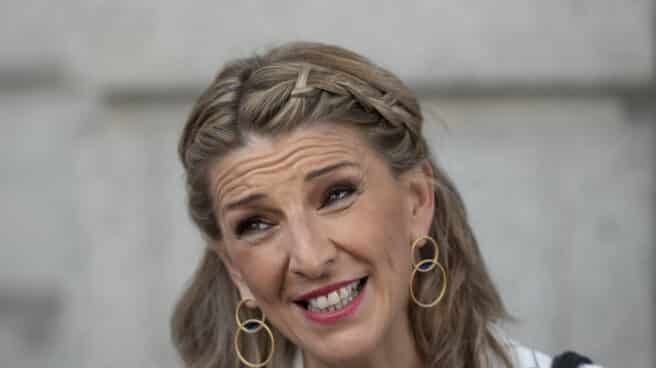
355 335
343 347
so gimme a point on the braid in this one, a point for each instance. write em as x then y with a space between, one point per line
286 92
347 89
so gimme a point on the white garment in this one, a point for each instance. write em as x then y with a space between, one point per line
521 356
524 357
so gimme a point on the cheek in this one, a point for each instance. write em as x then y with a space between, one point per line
262 270
376 231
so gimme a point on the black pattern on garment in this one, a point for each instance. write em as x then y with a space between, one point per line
569 359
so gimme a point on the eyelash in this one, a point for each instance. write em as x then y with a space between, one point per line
341 190
246 226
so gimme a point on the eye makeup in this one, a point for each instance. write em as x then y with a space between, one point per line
251 225
330 192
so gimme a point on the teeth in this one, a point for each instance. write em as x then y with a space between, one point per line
322 302
335 300
343 293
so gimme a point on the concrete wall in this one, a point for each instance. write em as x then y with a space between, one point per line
543 113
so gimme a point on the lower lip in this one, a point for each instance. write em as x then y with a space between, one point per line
335 316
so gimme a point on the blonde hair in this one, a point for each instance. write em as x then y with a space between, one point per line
290 87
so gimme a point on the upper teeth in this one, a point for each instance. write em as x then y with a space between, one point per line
335 299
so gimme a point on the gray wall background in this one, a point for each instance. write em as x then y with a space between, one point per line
544 113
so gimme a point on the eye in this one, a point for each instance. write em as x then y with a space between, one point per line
337 193
251 225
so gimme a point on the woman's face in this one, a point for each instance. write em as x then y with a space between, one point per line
317 230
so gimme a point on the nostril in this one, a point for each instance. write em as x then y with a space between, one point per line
316 271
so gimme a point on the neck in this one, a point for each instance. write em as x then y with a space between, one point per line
398 349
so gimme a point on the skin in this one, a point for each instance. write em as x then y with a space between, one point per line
314 207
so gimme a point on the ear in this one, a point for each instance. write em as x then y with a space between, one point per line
421 198
233 272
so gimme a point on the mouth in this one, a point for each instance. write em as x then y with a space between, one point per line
333 301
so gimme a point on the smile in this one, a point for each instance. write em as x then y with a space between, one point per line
332 303
336 299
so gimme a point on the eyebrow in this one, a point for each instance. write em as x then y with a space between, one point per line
310 176
246 200
324 170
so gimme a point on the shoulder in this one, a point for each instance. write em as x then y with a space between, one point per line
525 357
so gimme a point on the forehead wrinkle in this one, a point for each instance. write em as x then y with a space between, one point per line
254 167
253 161
263 170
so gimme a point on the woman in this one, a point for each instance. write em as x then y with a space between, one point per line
333 238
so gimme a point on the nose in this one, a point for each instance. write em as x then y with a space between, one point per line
312 254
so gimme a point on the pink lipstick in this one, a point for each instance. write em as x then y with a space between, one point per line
334 315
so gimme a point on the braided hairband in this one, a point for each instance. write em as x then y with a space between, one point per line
396 115
301 88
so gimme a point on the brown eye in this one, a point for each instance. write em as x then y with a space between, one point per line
251 225
337 193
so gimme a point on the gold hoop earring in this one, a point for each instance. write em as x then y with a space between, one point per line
250 326
427 265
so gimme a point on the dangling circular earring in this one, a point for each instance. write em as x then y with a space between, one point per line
427 265
252 325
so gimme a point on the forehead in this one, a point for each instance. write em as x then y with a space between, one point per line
270 160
